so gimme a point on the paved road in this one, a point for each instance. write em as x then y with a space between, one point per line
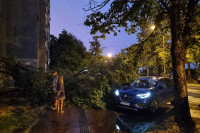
194 93
52 122
194 99
77 121
138 122
95 121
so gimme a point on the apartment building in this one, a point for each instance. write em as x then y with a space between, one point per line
25 30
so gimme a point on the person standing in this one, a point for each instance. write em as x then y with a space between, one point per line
54 86
60 94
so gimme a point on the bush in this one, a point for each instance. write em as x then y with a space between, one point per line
33 83
38 90
88 89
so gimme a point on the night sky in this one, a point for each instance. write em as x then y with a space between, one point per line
69 15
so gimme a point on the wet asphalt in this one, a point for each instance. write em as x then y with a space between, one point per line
97 121
138 122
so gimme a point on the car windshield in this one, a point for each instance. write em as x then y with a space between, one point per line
143 83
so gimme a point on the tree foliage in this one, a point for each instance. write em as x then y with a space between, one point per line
135 15
33 83
96 50
89 89
122 70
87 80
66 52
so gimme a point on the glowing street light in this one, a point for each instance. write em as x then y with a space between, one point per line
153 27
109 55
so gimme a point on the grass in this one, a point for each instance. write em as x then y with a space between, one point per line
17 118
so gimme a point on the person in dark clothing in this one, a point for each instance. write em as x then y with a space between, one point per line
60 95
54 86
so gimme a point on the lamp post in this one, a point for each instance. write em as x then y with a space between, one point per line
152 28
163 41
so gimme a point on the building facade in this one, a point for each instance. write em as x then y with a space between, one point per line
25 30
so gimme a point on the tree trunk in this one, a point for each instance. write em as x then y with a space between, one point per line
147 70
178 53
164 71
189 72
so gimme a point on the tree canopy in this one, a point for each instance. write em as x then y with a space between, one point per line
95 49
66 51
177 15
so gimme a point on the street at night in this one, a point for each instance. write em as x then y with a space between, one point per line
100 66
96 121
117 121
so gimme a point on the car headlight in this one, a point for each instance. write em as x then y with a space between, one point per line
117 92
145 95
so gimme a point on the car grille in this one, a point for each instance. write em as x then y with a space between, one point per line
126 98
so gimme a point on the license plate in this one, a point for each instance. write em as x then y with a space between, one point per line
125 103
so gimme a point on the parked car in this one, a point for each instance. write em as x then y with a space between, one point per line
146 93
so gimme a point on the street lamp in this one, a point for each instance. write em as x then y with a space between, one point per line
109 58
109 55
164 71
163 40
153 27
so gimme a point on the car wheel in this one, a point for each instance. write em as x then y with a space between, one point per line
153 106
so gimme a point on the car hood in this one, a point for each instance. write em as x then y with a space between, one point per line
134 91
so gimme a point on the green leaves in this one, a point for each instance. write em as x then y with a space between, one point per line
34 83
89 89
127 14
66 52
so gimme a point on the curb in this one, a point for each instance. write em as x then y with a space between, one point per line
32 125
36 120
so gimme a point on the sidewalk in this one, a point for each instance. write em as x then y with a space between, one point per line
194 93
74 121
52 122
194 99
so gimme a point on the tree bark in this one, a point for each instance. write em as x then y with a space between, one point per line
164 71
178 53
147 71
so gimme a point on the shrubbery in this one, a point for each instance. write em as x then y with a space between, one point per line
38 90
34 84
92 88
88 89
